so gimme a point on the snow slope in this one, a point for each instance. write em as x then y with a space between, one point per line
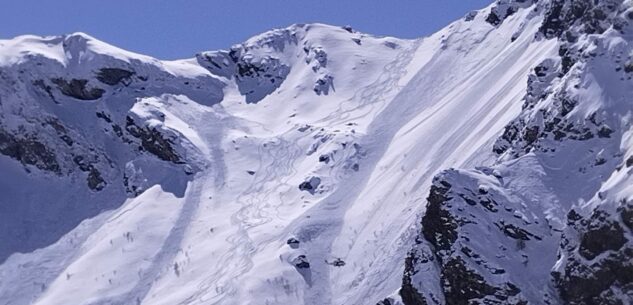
546 223
293 168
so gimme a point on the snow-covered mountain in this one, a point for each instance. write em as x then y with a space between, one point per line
486 164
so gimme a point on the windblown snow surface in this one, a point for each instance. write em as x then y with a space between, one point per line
486 164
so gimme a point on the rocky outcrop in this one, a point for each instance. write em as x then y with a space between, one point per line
323 85
301 262
78 88
28 150
568 19
317 59
461 207
94 179
596 265
114 76
554 109
293 243
256 73
310 185
258 77
153 141
409 293
50 153
504 9
600 235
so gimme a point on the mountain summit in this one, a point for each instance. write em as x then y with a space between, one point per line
488 163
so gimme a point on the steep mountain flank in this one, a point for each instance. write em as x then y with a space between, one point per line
546 223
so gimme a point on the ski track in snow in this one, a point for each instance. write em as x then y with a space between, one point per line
212 177
162 261
237 261
376 92
259 203
333 206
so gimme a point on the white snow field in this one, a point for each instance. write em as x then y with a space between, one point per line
292 169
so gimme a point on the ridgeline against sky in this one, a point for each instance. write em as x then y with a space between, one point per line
175 29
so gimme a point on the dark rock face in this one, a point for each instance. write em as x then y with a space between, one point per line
323 85
493 19
301 262
565 21
408 293
259 75
77 88
589 16
310 185
558 124
219 63
597 284
28 151
463 285
385 302
337 262
626 212
256 77
94 179
153 142
600 236
455 211
61 131
46 88
293 243
504 9
597 267
439 226
324 158
114 76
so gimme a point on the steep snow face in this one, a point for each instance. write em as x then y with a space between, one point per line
293 168
548 222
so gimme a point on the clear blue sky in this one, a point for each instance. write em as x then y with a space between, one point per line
170 29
